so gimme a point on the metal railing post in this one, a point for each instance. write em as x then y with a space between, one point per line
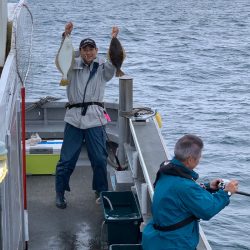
125 105
1 242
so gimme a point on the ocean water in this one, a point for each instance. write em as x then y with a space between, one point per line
190 59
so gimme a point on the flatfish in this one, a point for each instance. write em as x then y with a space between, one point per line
65 59
116 54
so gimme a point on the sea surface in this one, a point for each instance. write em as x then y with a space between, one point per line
190 60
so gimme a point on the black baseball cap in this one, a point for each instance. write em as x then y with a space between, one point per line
87 42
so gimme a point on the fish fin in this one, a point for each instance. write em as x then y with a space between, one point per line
124 54
119 73
72 59
57 64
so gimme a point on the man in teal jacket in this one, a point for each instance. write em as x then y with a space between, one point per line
179 201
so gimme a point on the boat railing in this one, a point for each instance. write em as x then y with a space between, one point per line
12 222
142 148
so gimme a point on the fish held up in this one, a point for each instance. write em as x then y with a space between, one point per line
116 53
65 59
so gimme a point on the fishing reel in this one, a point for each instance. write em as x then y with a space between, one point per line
223 183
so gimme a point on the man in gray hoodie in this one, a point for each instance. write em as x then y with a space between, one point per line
85 117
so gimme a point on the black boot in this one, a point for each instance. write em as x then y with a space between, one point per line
60 201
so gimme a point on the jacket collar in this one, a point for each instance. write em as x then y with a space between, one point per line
179 164
83 64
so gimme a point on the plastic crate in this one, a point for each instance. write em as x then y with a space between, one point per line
125 247
122 216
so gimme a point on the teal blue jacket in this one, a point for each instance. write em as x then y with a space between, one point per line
175 199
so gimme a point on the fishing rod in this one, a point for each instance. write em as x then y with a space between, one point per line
242 193
223 183
138 114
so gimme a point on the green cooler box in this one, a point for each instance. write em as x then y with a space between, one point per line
43 157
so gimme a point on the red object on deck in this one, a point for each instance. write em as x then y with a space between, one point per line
24 147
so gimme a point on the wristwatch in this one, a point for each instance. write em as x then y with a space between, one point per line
229 193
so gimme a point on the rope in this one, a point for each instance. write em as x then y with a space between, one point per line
138 112
41 102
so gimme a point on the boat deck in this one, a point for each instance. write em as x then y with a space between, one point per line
76 227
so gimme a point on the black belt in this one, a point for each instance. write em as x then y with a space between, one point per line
175 226
84 106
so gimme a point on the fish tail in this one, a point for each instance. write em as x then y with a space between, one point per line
64 82
119 73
